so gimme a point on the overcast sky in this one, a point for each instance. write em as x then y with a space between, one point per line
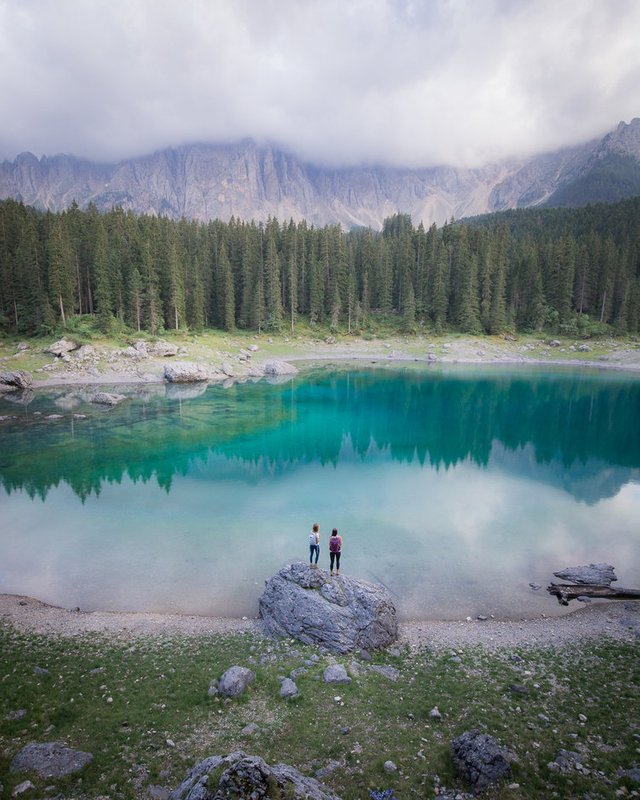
414 83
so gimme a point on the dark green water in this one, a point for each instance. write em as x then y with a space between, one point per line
455 487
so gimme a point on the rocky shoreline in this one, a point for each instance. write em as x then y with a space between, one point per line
232 359
619 621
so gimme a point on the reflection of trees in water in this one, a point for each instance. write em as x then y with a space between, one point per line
561 420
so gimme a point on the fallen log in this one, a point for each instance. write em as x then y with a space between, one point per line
566 592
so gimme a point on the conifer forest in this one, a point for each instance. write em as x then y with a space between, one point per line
565 271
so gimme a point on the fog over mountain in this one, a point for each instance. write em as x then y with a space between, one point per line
256 181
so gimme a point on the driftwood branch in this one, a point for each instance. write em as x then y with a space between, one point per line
565 592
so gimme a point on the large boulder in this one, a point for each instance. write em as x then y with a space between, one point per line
50 760
108 398
279 368
239 775
62 347
480 759
185 372
341 613
591 574
15 379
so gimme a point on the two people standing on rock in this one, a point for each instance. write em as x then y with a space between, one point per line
335 547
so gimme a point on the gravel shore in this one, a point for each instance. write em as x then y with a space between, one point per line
613 620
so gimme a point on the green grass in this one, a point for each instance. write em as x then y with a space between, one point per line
159 692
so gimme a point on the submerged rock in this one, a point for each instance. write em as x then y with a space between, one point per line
241 775
341 613
107 399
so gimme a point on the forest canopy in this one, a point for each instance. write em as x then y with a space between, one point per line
572 271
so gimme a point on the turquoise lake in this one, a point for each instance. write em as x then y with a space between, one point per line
454 486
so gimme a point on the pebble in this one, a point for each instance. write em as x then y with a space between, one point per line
389 767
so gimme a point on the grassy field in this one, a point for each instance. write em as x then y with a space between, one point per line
142 708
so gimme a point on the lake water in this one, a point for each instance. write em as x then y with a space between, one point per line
455 487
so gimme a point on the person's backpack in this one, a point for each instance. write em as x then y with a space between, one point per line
312 538
334 544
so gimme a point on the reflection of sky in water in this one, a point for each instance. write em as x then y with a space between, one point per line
448 543
478 484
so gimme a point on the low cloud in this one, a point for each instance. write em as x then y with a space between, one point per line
335 81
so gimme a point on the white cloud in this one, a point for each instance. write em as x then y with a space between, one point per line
341 81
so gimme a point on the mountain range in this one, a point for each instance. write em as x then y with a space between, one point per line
255 181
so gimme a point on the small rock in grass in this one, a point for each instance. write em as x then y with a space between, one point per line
21 788
435 714
391 673
14 716
336 673
235 681
288 689
170 743
389 767
250 730
40 671
517 688
213 688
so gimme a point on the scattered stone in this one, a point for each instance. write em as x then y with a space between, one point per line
582 718
14 716
227 369
86 351
154 793
389 767
250 730
288 689
518 688
554 343
61 347
241 775
584 348
40 671
394 652
633 774
480 759
170 743
235 681
107 399
345 730
185 372
54 416
297 672
535 586
21 788
50 760
565 761
253 347
328 769
279 368
365 655
342 614
213 688
329 339
391 673
435 714
16 379
336 673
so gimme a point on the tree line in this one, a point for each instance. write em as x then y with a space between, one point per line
564 271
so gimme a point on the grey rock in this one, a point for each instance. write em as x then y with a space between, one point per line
390 673
21 788
213 689
85 351
517 688
50 760
107 398
565 761
162 349
480 759
250 730
435 714
239 775
594 574
342 614
279 368
329 768
185 391
554 343
235 681
227 369
584 348
633 774
389 767
15 716
15 379
157 793
40 671
336 673
61 347
394 652
288 689
297 672
185 372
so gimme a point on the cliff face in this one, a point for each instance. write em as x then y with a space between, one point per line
253 181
